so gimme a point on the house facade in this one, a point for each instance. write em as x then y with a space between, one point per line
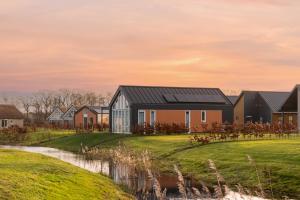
290 109
10 116
132 106
63 118
258 106
55 118
68 117
89 117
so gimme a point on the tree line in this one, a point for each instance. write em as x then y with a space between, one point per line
37 106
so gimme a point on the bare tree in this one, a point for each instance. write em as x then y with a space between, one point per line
46 99
26 103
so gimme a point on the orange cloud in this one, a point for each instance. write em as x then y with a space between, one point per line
100 44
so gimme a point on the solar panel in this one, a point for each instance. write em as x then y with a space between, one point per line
199 98
170 98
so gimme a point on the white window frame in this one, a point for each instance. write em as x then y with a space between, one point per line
189 119
140 111
205 114
152 123
2 121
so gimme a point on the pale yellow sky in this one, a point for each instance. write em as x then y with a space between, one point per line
100 44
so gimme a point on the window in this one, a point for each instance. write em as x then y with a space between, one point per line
152 118
141 117
261 120
187 119
4 123
290 119
203 116
280 120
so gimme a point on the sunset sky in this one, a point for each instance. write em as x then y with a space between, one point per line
100 44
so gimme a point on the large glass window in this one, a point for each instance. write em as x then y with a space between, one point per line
120 115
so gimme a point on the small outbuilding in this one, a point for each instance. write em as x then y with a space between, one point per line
10 116
133 106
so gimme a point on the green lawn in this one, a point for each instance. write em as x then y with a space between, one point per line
46 135
27 176
280 157
38 136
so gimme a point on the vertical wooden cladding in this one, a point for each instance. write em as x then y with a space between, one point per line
178 117
239 111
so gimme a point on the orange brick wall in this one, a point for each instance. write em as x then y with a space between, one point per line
178 117
79 117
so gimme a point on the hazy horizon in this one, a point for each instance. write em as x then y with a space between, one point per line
97 45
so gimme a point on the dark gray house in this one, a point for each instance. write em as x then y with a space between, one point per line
258 106
291 108
137 105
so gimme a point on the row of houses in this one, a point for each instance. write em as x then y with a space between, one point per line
132 106
85 117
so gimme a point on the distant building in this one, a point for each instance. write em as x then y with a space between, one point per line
136 105
258 106
10 116
68 117
290 109
88 117
55 118
63 118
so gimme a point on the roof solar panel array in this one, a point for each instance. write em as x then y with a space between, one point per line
165 95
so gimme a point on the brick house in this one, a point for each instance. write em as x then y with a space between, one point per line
137 105
89 117
10 116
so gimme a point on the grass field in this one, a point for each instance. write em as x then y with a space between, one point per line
280 158
38 136
39 177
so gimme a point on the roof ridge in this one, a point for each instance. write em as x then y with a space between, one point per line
180 87
265 91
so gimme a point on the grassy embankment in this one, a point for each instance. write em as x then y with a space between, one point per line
40 177
280 158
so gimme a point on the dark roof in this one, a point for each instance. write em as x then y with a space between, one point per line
233 99
94 109
274 99
291 102
10 112
172 95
